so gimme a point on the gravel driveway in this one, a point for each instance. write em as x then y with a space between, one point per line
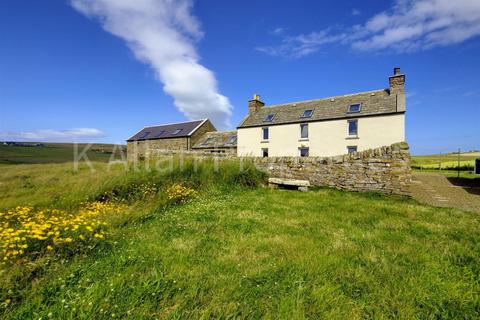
437 190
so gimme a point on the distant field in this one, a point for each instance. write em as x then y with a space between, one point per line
53 153
445 161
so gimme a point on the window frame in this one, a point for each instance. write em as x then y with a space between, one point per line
356 129
303 116
232 140
267 130
351 147
206 141
302 125
354 104
264 152
272 115
300 152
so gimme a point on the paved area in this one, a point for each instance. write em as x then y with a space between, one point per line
437 190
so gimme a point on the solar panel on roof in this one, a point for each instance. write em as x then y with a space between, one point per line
159 134
144 135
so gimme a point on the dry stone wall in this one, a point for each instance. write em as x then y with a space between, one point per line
386 170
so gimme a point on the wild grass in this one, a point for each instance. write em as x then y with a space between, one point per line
237 250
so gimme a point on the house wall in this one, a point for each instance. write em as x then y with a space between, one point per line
326 138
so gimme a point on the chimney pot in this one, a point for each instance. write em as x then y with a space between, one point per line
396 71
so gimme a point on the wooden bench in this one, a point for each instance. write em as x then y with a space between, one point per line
300 185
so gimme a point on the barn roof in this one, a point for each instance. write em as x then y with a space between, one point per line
217 139
372 103
165 131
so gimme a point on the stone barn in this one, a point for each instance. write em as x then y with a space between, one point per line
167 137
217 142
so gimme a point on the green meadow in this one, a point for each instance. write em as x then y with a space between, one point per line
55 152
238 250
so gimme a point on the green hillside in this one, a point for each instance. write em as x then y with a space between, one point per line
201 242
35 153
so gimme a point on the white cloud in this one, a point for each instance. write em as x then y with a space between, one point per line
162 33
51 135
410 25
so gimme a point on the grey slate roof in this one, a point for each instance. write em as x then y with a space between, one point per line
372 103
167 130
217 139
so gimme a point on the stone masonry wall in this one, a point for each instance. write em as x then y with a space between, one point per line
386 170
144 148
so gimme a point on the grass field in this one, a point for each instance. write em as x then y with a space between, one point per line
445 161
53 153
237 250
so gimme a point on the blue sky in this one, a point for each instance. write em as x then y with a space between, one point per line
99 70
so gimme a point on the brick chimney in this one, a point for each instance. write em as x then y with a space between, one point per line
397 88
255 104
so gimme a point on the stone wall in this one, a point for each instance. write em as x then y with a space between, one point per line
206 127
145 148
386 170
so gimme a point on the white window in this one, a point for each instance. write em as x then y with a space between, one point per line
351 149
304 131
265 133
265 152
354 108
303 152
353 127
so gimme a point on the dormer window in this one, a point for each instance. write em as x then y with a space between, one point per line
354 108
269 117
144 135
307 113
177 131
158 135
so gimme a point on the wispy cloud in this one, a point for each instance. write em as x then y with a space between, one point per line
410 25
355 12
51 135
301 45
472 93
162 33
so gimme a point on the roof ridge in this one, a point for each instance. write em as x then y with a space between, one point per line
326 98
169 124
